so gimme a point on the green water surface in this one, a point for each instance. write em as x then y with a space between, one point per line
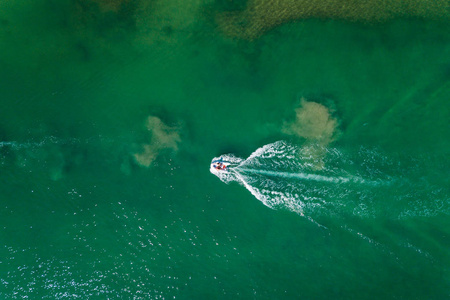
81 219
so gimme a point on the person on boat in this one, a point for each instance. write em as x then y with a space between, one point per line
220 166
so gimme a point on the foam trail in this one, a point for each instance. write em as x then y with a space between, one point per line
282 175
304 176
50 140
53 140
17 145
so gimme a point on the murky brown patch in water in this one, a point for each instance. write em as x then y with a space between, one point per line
163 137
314 123
262 15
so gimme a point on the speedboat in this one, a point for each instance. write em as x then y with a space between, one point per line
220 165
225 167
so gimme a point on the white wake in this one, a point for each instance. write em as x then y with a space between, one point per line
281 175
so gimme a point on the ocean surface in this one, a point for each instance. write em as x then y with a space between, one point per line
112 111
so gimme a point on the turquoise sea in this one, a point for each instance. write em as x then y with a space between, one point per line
112 111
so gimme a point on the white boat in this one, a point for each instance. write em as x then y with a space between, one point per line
220 165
